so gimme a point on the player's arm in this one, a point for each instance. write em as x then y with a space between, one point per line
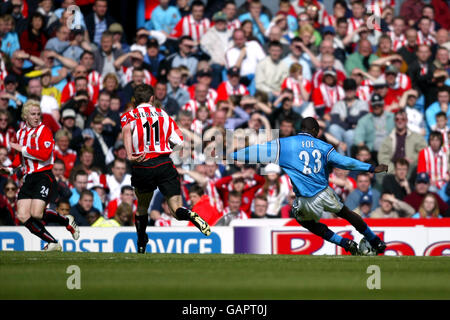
259 153
42 152
347 163
176 136
127 141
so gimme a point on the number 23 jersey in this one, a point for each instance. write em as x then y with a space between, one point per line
153 131
308 160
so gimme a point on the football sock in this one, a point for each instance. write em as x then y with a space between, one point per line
183 214
333 237
345 243
354 219
37 228
368 234
141 225
53 216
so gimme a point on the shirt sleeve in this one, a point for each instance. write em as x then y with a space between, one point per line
176 137
347 163
259 153
44 147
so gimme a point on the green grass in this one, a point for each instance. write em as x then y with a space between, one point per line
42 275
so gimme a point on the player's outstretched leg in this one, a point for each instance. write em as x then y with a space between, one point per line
321 230
68 222
37 228
29 212
356 221
181 213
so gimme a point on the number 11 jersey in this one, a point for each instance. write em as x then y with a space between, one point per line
153 131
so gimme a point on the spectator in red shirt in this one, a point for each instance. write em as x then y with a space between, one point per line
33 40
247 183
62 151
201 204
422 187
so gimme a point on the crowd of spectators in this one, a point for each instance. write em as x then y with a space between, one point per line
376 78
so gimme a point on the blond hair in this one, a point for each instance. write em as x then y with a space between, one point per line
435 212
63 133
27 106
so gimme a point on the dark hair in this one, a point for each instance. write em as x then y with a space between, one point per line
310 125
126 188
143 93
59 161
80 78
196 3
61 201
428 6
441 114
227 2
341 2
402 162
182 38
118 160
85 52
234 194
86 193
436 134
275 44
79 173
443 89
195 188
341 20
362 148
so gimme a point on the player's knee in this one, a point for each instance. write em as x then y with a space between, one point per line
23 216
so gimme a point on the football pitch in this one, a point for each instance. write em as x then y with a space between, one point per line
43 275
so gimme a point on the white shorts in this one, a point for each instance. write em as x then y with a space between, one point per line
312 208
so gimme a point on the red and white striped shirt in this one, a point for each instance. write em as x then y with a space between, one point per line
6 137
241 214
193 105
294 85
364 92
327 96
197 126
354 24
214 195
435 164
95 79
37 148
225 89
402 81
128 76
233 25
376 7
187 26
422 39
398 42
329 21
212 94
151 130
69 91
318 76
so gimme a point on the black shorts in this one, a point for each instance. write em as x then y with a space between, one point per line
39 185
156 173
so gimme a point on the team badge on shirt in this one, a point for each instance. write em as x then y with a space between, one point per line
47 144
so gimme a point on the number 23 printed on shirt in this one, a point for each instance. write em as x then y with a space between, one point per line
305 157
